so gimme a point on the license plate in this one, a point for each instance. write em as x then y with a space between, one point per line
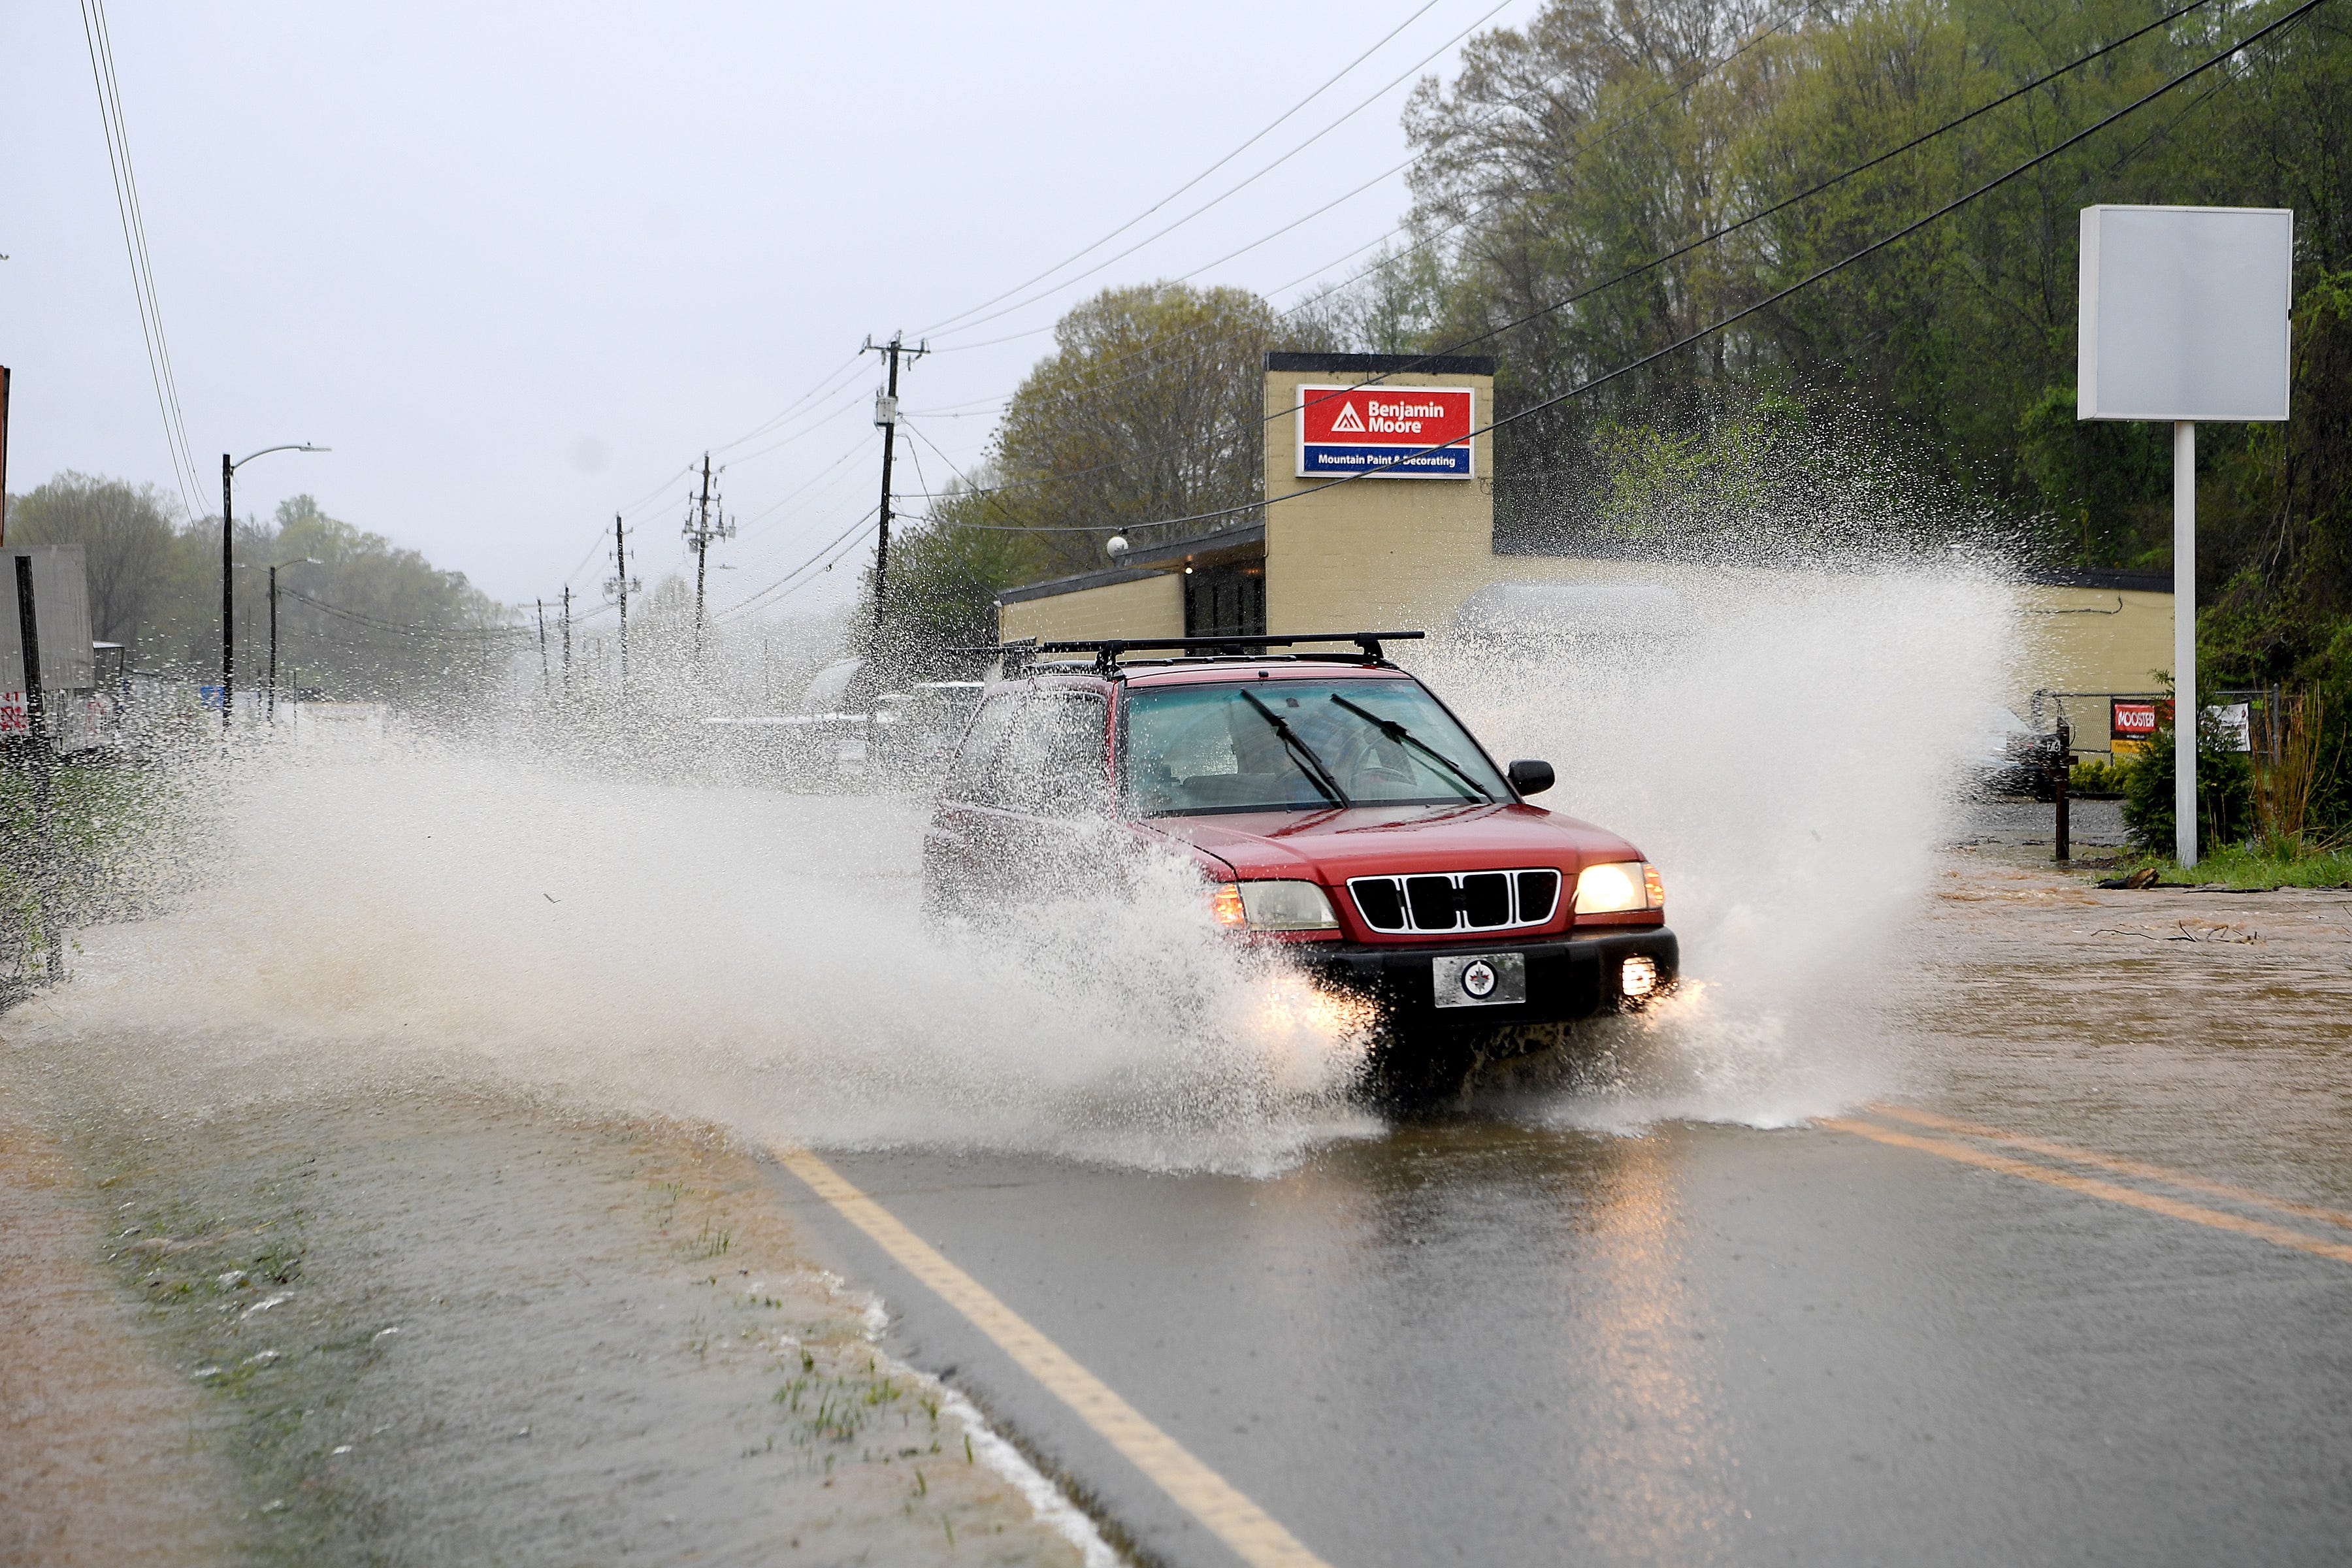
1480 979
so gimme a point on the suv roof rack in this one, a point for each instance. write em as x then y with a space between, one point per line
1108 651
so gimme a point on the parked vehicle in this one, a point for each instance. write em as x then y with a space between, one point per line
2013 758
1334 807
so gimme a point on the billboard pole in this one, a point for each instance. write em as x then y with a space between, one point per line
4 454
2186 708
2186 316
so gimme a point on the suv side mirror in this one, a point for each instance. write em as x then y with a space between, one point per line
1529 777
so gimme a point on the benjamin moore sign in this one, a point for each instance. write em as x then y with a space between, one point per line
1387 432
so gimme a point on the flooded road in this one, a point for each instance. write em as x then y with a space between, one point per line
2077 1288
1957 1212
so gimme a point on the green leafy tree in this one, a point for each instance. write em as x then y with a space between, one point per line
134 556
370 620
1150 406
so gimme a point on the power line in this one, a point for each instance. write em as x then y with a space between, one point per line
836 547
409 629
1196 211
1743 313
100 44
944 324
1495 114
1575 154
1678 252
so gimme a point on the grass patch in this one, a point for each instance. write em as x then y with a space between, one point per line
114 836
2238 867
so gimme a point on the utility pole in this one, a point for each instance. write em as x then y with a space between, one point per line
619 585
567 642
700 530
4 454
546 681
228 591
273 645
885 416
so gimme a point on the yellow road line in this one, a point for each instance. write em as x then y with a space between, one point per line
2181 1179
1254 1534
2092 1186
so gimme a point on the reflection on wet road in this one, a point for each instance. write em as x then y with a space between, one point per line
2083 1294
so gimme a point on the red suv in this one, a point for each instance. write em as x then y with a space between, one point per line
1333 804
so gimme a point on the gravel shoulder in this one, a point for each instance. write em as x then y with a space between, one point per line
447 1328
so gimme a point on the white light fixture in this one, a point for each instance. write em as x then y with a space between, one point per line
1287 906
1639 978
1115 546
1614 886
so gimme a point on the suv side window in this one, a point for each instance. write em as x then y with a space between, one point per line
1052 762
974 777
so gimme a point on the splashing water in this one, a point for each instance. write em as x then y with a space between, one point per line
475 913
1784 746
747 956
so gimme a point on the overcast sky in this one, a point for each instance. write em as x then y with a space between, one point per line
519 265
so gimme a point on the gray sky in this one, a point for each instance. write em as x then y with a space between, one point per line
519 265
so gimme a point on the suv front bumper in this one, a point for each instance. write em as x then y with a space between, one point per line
1568 977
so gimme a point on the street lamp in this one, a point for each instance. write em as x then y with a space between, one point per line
228 569
298 561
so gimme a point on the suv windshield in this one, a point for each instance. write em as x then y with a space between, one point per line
1192 749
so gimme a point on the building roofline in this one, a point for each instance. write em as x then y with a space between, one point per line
2111 581
1149 561
1383 365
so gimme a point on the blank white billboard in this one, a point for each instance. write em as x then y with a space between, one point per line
2185 312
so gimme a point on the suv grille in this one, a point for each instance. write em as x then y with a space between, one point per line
1457 901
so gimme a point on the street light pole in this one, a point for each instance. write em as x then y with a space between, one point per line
304 561
228 591
228 569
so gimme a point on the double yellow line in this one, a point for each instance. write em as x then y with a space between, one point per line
1256 1537
1973 1153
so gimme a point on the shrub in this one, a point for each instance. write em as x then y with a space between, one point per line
2225 791
2090 776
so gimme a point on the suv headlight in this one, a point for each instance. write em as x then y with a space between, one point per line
1273 906
1619 887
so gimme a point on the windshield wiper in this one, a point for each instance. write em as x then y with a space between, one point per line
1317 774
1398 734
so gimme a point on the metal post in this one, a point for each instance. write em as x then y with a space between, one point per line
228 591
621 575
2185 708
546 682
273 645
36 735
567 641
2065 766
36 728
4 454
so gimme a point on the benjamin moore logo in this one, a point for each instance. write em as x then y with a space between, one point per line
1386 432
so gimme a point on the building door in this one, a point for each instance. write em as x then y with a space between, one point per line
1226 601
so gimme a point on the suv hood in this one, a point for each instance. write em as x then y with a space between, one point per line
1329 847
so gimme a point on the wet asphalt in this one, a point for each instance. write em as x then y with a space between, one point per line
1488 1339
